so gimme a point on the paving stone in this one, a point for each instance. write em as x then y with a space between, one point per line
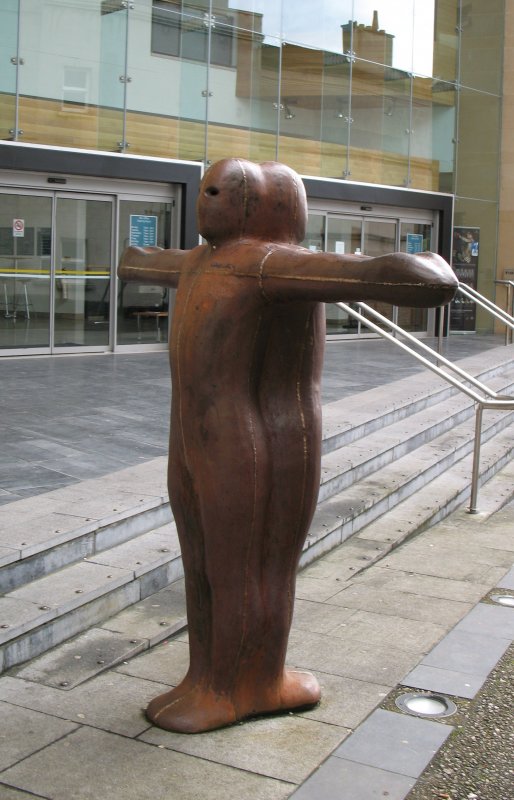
91 764
469 653
407 605
19 616
507 581
80 659
7 793
425 586
34 534
80 583
23 732
381 629
444 681
365 661
112 702
316 589
319 617
489 620
345 701
287 747
149 550
156 617
395 742
166 663
445 562
337 779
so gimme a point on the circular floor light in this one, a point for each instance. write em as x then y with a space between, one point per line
426 704
504 599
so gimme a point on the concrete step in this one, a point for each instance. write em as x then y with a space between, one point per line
421 488
45 533
75 557
162 615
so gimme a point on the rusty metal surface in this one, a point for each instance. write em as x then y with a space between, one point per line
246 355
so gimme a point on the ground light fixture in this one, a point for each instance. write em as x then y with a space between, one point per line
426 704
503 599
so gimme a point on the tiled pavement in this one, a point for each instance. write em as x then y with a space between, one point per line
422 617
69 418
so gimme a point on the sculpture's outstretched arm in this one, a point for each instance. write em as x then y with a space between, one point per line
151 265
422 280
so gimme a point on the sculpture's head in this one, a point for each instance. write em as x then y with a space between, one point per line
240 199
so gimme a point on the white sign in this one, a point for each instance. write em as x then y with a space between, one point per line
340 248
18 227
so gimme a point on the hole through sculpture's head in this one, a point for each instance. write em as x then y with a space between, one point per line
239 199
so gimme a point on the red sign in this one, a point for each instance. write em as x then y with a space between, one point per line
18 227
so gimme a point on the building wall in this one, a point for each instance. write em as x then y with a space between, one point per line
506 220
404 94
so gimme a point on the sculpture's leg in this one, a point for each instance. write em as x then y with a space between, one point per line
242 522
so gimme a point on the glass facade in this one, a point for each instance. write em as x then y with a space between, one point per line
401 94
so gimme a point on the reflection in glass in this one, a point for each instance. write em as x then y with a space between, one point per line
82 272
445 38
25 254
380 130
335 111
415 237
481 51
479 145
143 310
8 40
379 238
344 235
382 32
316 25
70 93
432 142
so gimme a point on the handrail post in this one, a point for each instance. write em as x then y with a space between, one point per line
476 460
509 333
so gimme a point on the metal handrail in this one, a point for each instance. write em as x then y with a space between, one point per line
491 401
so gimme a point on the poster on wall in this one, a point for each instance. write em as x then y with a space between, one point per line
465 248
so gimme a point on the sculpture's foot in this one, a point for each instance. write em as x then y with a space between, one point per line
195 709
191 711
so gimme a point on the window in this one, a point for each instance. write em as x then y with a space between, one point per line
75 90
183 32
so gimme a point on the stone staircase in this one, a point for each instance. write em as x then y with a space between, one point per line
100 560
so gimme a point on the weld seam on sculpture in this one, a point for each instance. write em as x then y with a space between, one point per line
246 352
261 275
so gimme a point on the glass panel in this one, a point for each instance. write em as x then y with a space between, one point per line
8 51
335 115
343 236
479 144
299 110
244 104
261 15
382 32
482 25
415 237
143 310
381 101
433 135
315 232
25 254
71 93
445 20
379 239
316 24
82 272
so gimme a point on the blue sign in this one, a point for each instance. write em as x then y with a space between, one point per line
414 243
143 230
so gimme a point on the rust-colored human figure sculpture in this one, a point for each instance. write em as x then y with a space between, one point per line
246 355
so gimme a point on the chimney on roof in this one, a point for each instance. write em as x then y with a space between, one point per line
374 24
